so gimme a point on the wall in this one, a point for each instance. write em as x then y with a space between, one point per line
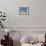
39 13
37 19
34 22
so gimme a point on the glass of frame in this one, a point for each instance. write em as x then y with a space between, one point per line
23 10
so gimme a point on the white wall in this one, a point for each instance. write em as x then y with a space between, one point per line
37 19
25 24
39 13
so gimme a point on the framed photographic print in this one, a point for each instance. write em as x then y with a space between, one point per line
23 10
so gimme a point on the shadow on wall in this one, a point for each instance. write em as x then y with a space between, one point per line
16 43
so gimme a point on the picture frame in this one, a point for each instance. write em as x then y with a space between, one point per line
23 10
